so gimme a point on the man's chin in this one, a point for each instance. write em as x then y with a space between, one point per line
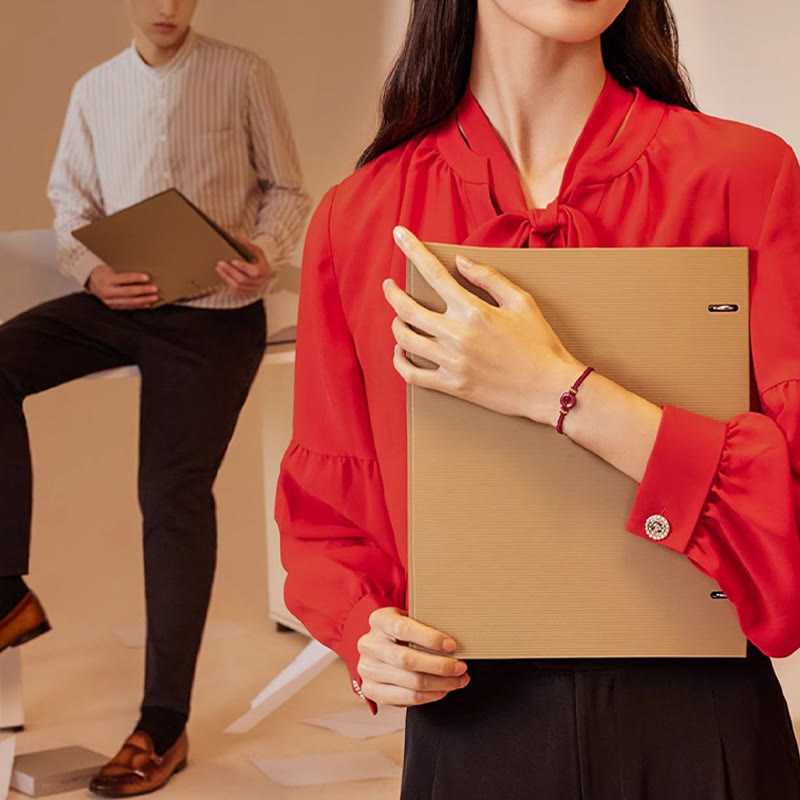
166 40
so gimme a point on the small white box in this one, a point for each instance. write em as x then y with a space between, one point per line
49 772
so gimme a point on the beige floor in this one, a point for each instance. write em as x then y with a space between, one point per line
82 686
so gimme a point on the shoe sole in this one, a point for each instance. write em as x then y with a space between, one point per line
26 621
180 768
28 636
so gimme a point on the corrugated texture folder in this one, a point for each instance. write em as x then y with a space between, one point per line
517 539
167 237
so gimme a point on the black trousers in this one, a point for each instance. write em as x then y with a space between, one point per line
676 729
197 367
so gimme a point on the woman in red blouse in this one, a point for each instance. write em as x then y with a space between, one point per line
549 123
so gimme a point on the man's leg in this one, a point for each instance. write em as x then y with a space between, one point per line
196 373
42 348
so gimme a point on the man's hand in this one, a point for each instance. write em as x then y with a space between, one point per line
124 291
242 277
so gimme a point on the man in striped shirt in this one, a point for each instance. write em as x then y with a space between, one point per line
180 110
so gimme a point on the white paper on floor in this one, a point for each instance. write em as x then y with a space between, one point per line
7 749
310 663
136 635
360 723
315 770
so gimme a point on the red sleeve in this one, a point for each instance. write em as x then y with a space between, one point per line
336 539
731 491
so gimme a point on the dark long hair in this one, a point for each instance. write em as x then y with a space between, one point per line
430 76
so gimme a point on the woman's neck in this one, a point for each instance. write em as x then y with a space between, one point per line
538 94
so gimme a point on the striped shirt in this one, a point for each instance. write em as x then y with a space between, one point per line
210 123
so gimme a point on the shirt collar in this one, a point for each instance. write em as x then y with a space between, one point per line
471 146
175 63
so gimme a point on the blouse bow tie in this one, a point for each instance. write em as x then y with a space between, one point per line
558 225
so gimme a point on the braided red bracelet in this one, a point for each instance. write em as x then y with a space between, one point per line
570 399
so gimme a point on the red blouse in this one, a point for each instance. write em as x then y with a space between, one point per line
672 178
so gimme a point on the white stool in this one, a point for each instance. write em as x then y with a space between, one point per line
12 714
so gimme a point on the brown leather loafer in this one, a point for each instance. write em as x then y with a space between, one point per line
136 769
25 622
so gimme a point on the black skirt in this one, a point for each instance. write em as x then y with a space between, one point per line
634 729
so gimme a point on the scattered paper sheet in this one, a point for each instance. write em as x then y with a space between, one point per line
360 723
315 770
7 750
310 663
136 635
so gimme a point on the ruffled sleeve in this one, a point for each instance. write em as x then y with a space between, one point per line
731 491
336 539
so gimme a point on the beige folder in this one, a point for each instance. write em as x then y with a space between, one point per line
167 237
517 540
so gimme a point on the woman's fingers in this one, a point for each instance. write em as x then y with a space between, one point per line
431 269
414 343
386 695
395 674
396 625
505 293
410 660
380 672
439 380
410 311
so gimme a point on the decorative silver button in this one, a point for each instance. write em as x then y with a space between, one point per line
358 690
657 527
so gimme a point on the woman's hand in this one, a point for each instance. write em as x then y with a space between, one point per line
505 358
394 674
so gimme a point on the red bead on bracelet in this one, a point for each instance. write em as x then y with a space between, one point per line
570 399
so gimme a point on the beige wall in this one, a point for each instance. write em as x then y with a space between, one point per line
744 60
328 57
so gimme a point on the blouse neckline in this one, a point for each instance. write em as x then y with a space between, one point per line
473 148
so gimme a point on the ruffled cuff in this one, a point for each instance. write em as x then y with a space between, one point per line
355 626
678 479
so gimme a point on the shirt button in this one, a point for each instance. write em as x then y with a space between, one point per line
657 527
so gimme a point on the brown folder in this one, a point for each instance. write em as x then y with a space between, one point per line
170 239
517 540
